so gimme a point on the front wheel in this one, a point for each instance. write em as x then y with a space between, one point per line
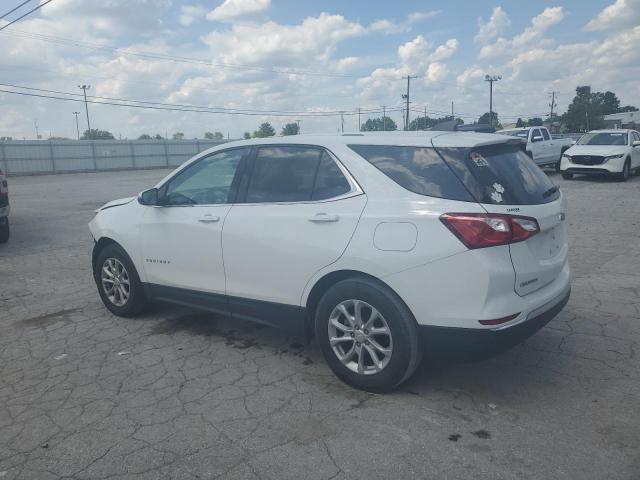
118 282
4 231
626 172
367 335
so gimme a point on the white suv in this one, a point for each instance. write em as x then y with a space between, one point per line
603 152
373 242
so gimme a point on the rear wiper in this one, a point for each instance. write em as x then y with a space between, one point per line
551 191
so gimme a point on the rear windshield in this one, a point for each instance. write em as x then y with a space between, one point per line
500 174
418 169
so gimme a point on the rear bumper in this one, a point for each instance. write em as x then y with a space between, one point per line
471 343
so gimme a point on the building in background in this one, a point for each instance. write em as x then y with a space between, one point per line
622 120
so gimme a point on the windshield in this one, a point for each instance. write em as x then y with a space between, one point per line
603 138
515 133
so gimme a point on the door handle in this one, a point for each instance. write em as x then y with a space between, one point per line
209 218
324 218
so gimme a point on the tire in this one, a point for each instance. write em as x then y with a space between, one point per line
113 260
567 176
4 232
626 172
398 334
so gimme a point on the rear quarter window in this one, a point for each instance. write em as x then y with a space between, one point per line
418 169
500 174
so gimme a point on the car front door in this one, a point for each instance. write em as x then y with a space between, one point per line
551 147
635 151
297 212
537 145
182 236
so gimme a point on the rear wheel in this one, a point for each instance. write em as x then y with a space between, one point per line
567 176
118 282
367 335
4 231
626 172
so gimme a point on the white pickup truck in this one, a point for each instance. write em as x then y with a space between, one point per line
541 146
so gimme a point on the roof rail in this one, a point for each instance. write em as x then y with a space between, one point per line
454 126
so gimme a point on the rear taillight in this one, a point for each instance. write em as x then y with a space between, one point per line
481 230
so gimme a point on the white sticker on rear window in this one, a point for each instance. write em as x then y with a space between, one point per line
496 197
498 187
478 159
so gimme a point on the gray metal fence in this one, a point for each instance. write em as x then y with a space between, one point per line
24 157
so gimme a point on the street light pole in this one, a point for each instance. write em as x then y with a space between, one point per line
491 79
84 89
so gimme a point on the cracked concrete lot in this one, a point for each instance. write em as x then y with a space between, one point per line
179 394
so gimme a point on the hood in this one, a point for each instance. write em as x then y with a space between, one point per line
599 150
116 203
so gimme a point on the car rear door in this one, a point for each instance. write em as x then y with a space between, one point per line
297 213
505 181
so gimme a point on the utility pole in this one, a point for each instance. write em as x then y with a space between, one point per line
384 118
35 124
342 121
84 89
406 97
491 79
552 105
587 115
77 125
298 122
359 124
425 118
454 117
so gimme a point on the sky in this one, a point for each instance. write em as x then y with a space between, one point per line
285 60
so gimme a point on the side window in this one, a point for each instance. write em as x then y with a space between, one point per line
283 174
636 137
535 133
330 182
545 133
206 182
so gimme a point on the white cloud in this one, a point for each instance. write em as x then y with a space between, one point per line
436 72
445 51
496 25
388 27
416 17
414 50
471 74
235 9
271 43
191 13
531 35
620 14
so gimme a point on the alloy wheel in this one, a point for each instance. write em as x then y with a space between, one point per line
115 282
360 337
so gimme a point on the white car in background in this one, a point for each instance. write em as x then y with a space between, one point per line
545 150
372 241
604 152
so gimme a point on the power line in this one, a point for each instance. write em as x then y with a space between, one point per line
214 109
179 59
179 109
14 9
28 13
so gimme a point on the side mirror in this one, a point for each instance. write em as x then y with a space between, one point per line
148 197
636 143
537 138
